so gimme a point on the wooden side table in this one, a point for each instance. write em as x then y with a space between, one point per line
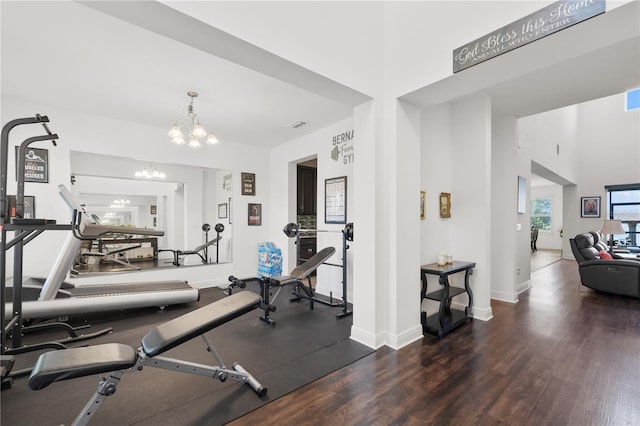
446 319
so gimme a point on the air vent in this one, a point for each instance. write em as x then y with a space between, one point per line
297 124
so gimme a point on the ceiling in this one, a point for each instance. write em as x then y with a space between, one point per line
71 56
135 61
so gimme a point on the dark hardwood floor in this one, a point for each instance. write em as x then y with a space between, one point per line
562 355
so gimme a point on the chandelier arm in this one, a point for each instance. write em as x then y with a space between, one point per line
184 124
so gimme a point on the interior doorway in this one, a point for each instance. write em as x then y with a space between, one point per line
307 207
546 203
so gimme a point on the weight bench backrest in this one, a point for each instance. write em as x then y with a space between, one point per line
305 269
184 328
202 247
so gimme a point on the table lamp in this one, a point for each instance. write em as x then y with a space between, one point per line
612 227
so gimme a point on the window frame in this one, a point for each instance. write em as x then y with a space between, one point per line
549 215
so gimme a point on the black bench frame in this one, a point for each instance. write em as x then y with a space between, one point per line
296 277
115 359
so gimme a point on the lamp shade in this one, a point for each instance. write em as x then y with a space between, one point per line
612 227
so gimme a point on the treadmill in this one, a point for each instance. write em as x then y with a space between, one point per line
56 297
53 297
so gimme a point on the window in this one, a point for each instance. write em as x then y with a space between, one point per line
632 100
624 205
541 213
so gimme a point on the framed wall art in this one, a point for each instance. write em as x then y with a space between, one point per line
230 211
29 209
248 183
335 200
36 165
445 204
522 194
222 211
254 215
590 207
423 205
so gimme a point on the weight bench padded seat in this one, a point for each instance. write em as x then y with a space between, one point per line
184 328
79 362
305 269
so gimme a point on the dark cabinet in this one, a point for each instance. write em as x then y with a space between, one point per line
307 248
307 192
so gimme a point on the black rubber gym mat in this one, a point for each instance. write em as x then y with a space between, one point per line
303 346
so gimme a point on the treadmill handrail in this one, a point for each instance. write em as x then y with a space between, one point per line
94 231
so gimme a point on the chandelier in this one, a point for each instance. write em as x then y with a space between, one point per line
195 130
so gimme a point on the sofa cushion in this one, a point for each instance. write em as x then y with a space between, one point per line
584 243
599 241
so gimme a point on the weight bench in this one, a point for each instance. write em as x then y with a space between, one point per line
296 277
115 359
119 252
197 250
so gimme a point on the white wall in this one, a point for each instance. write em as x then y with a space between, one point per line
283 198
471 207
505 222
551 140
456 158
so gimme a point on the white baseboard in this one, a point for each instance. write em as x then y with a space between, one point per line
504 296
368 339
523 286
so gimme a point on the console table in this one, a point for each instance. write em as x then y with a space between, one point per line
446 319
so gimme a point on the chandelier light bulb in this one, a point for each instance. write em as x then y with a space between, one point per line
212 139
175 132
148 173
199 131
194 142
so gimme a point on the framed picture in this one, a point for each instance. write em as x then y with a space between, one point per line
222 211
29 211
522 194
248 183
230 211
154 209
423 203
255 215
590 206
36 165
445 204
335 200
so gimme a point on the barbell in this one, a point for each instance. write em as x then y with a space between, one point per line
291 230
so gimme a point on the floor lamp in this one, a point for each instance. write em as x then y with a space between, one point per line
612 227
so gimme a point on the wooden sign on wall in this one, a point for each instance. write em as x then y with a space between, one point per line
551 19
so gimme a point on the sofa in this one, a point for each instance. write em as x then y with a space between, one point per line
614 275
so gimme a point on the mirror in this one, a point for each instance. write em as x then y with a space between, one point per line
189 204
